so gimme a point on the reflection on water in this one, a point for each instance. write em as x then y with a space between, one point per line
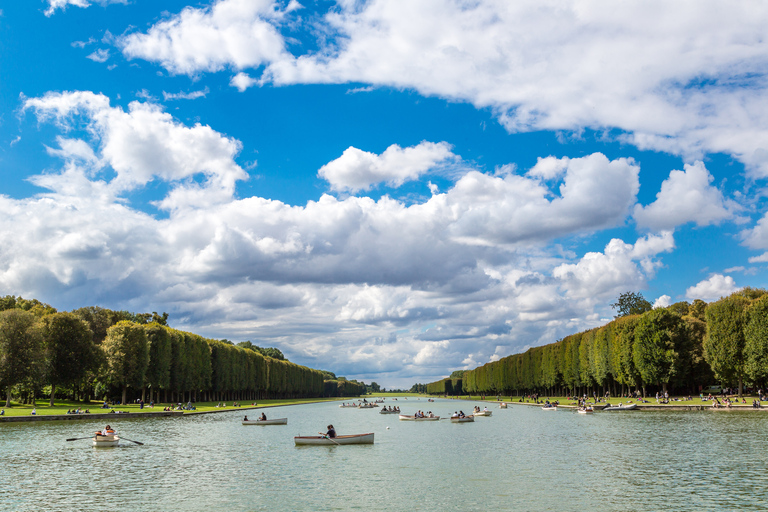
521 458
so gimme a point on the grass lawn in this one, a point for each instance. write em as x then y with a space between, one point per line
61 406
650 400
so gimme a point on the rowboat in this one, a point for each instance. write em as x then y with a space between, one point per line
276 421
366 406
482 413
503 405
465 419
384 411
349 405
104 441
325 440
586 411
620 407
550 408
405 417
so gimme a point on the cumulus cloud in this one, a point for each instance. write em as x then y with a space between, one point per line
662 302
100 55
619 267
373 285
357 170
230 33
192 95
713 288
686 196
140 145
53 5
689 86
242 81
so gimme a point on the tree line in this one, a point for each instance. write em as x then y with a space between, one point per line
95 352
681 348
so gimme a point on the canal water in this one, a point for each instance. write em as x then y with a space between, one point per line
520 458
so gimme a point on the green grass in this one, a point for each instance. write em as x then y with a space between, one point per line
61 406
651 400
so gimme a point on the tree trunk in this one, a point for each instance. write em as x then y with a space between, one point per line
741 384
143 392
8 398
125 394
53 392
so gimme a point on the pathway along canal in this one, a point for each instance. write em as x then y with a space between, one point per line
521 458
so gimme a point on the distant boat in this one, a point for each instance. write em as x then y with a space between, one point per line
503 405
620 407
465 419
550 408
482 413
327 441
276 421
405 417
385 411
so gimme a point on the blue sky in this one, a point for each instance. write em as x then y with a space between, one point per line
387 190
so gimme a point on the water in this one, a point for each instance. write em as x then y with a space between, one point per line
521 458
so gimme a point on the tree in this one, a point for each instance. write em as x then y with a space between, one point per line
457 374
631 303
756 341
70 351
21 349
375 388
127 353
724 344
158 374
659 335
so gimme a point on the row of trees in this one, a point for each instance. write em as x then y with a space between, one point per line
682 347
97 352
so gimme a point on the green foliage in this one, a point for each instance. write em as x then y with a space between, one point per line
680 308
756 341
127 354
21 348
457 374
657 351
724 343
631 303
272 352
70 351
159 368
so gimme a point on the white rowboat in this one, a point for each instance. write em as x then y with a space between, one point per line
106 441
465 419
326 441
405 417
585 411
503 405
482 413
620 407
553 408
276 421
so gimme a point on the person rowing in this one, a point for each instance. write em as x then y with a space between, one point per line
107 431
263 417
331 432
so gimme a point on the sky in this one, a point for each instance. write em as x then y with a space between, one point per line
389 190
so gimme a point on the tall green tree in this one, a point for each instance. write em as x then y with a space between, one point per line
631 303
21 349
159 367
756 341
659 335
70 351
127 353
724 344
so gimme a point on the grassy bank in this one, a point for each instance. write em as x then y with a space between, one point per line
62 406
673 401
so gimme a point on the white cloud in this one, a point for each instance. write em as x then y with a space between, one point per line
662 302
62 4
620 267
357 170
716 286
142 144
242 81
763 258
691 84
100 55
230 33
192 95
686 196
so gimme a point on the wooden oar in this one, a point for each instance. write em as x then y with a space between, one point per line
131 440
79 438
330 438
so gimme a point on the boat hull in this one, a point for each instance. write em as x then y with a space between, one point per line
338 440
404 417
549 408
465 419
276 421
482 413
627 407
106 441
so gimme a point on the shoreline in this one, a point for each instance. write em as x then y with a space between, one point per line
147 414
649 407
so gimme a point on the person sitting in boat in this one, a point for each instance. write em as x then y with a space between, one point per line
263 417
107 431
246 418
485 409
331 432
461 414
